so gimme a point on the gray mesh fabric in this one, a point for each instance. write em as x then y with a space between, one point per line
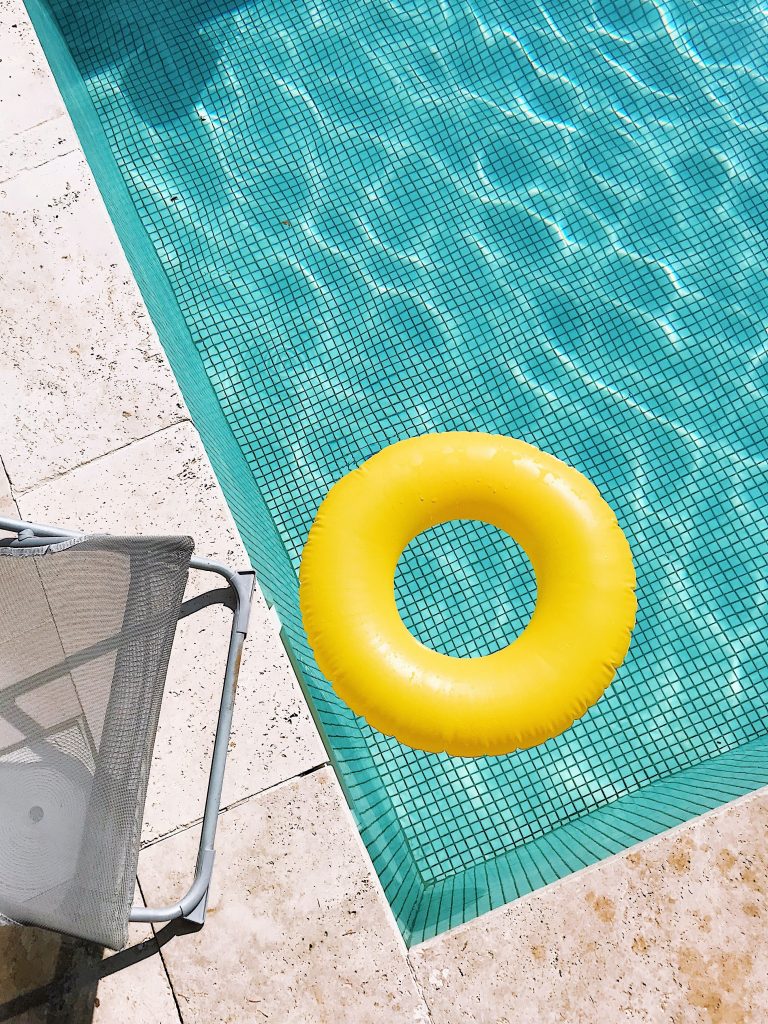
86 629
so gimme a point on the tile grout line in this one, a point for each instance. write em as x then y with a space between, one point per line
46 120
235 803
103 455
421 989
399 939
162 959
11 489
275 785
4 470
43 163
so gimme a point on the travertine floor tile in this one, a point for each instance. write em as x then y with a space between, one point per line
672 932
28 93
7 504
297 932
37 145
45 977
28 961
164 483
139 992
83 372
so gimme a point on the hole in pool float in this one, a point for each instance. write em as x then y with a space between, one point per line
465 588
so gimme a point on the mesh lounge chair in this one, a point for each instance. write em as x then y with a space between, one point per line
86 628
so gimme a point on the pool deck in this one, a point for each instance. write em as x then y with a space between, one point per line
94 433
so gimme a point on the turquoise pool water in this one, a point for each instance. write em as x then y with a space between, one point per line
359 222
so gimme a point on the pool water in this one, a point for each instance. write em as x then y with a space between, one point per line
385 218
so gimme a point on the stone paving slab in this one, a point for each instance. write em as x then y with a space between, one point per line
28 94
164 483
32 147
46 977
28 961
83 371
141 991
297 931
7 504
671 932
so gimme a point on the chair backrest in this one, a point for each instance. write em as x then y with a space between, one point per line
86 629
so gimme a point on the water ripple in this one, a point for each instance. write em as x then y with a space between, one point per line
547 220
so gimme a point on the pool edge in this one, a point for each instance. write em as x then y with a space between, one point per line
377 833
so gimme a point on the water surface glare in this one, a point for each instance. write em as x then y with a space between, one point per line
384 218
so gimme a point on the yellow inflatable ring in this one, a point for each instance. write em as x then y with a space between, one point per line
519 696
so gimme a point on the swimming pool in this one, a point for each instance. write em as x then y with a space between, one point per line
356 223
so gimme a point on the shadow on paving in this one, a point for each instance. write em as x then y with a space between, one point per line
47 978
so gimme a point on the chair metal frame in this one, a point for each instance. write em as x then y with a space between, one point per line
237 596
